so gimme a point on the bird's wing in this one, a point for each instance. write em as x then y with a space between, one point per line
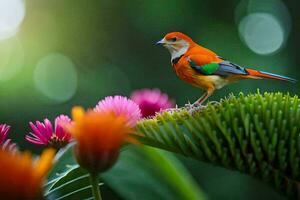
224 68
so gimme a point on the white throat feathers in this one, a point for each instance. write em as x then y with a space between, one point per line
177 49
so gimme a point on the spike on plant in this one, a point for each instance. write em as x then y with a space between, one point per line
257 134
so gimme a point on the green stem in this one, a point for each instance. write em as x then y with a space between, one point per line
95 187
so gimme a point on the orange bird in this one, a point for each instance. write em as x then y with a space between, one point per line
203 68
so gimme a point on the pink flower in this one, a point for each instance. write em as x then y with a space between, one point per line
43 133
4 129
4 142
120 106
151 101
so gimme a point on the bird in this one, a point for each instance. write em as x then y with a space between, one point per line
203 68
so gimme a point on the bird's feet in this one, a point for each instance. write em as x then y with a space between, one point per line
198 106
191 108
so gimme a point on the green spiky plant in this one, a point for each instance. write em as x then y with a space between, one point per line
257 134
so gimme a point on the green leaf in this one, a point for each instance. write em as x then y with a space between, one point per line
140 173
255 134
72 184
64 162
175 174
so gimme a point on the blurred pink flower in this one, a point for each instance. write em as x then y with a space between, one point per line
120 106
4 142
151 101
43 133
4 129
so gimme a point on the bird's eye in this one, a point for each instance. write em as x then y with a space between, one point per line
173 39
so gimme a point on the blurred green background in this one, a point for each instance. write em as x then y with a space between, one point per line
57 54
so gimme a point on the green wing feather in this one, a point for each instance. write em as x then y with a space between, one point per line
225 68
207 69
210 68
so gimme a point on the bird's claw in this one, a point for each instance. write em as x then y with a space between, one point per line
188 106
191 108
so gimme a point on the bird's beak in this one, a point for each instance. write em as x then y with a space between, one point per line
160 42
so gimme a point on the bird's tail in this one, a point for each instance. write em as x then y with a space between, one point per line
260 74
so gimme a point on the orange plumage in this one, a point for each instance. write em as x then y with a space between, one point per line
203 68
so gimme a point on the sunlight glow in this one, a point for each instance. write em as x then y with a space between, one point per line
12 13
12 58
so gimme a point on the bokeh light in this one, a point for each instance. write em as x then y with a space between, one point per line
12 13
12 58
263 26
262 33
55 77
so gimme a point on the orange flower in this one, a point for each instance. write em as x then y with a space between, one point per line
99 136
21 177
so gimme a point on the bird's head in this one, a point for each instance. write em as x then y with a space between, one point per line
177 43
